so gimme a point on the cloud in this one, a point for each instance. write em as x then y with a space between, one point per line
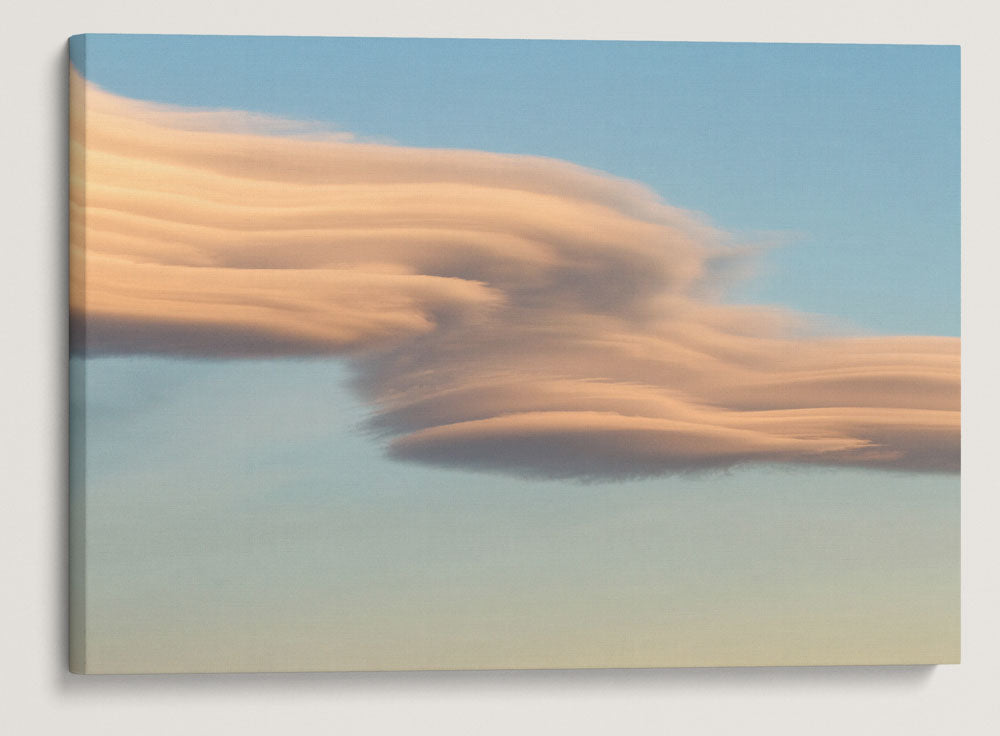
507 313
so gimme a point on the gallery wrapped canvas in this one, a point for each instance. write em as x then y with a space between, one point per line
466 354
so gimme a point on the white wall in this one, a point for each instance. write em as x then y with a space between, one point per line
38 696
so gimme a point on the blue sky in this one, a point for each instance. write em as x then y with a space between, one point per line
848 156
239 518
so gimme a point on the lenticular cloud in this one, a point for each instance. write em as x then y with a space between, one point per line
506 313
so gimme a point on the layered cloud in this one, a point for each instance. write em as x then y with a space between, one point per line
508 313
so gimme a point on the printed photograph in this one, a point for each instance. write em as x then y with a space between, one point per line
407 354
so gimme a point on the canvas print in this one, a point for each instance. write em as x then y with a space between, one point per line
393 354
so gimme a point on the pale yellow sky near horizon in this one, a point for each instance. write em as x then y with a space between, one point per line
237 523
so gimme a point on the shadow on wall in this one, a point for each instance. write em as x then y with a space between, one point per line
716 679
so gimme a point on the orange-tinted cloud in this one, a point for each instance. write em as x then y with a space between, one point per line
509 313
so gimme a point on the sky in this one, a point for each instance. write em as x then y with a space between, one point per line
845 156
242 509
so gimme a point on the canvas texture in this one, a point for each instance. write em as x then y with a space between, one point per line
395 354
